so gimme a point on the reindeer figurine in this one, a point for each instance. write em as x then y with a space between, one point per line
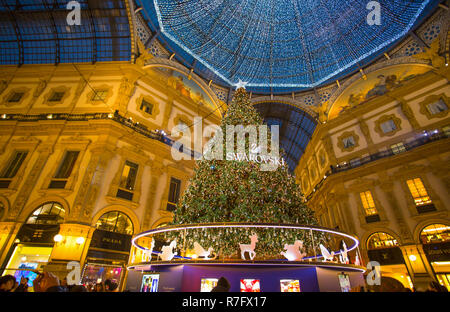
250 248
167 253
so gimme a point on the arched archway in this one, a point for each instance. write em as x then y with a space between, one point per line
35 240
110 246
435 239
384 248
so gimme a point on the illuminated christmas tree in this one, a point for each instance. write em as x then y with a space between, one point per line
239 191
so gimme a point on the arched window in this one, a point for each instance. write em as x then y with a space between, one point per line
435 233
49 214
115 221
2 209
381 240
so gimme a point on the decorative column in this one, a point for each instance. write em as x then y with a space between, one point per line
8 232
157 171
388 188
418 266
91 183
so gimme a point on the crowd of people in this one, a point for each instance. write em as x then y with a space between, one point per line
48 282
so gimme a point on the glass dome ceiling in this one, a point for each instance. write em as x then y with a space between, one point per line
280 45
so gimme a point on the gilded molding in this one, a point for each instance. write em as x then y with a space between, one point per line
48 95
433 99
397 122
90 98
6 98
150 100
345 135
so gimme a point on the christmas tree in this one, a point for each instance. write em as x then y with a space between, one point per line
239 191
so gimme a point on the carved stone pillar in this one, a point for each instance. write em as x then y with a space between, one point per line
91 183
342 202
157 170
30 182
388 188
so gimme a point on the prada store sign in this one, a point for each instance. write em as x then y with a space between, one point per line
111 240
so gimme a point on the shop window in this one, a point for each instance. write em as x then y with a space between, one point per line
435 233
369 207
146 107
381 240
398 148
115 221
388 126
64 170
419 193
16 97
348 142
437 107
127 180
56 96
48 214
12 168
174 194
99 95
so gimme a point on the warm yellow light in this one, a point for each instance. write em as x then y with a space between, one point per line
442 263
412 258
58 238
80 240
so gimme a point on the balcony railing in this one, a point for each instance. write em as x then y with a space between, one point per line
128 122
420 140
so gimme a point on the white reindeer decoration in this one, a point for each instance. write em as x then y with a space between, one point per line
167 253
326 254
250 248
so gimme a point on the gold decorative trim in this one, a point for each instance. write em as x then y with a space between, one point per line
24 90
345 135
183 118
48 95
151 100
90 97
433 99
397 122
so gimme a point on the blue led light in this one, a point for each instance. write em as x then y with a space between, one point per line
283 44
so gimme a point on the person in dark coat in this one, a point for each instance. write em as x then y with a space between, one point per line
222 285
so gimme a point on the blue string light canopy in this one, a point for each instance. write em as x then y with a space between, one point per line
283 45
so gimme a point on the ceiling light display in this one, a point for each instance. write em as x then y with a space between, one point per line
283 44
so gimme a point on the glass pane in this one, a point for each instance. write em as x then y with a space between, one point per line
435 233
381 240
49 213
115 221
14 165
128 178
67 164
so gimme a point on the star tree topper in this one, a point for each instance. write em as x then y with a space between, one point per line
241 84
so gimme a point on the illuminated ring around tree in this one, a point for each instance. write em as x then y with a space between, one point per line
245 225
